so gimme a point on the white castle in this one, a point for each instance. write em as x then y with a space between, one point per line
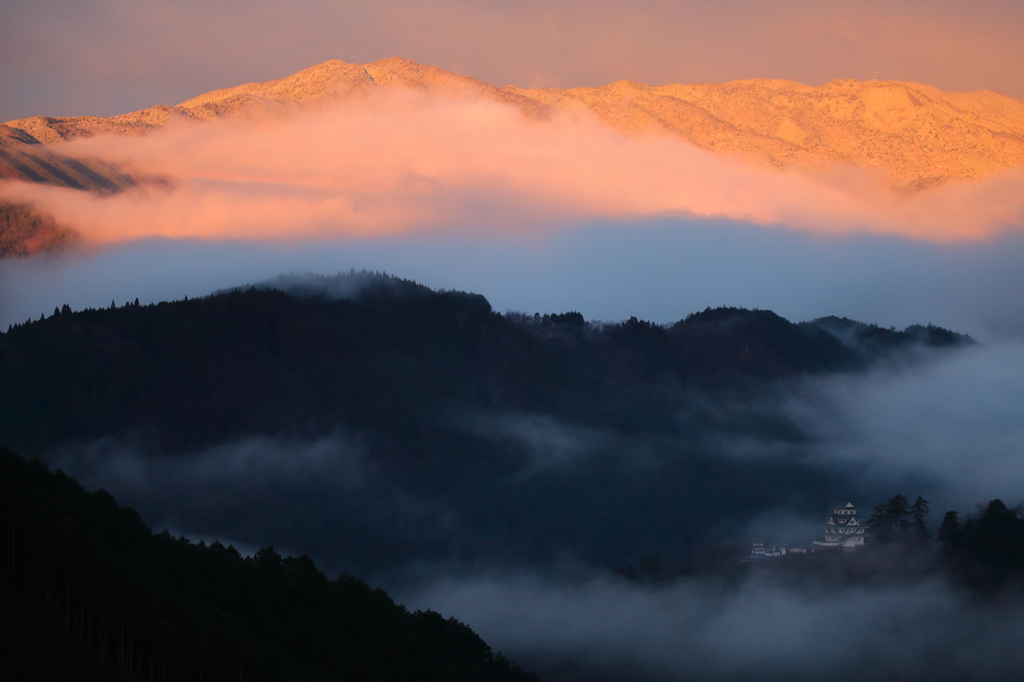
843 528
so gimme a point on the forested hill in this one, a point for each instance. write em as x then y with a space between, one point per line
89 592
373 422
375 353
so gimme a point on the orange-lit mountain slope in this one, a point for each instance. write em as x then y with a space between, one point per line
916 134
24 231
911 136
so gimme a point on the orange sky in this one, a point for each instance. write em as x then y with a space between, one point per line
106 57
404 163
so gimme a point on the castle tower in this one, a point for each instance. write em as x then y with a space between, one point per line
843 528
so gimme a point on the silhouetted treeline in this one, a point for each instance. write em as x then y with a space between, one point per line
89 592
389 357
870 340
986 549
983 552
899 522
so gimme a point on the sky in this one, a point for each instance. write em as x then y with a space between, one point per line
105 57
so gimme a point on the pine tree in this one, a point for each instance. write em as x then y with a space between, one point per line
918 511
949 530
888 521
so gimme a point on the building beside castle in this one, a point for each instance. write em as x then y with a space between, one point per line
843 528
759 550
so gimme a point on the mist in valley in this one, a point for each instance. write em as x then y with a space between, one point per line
701 629
513 520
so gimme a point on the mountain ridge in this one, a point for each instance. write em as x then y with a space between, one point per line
918 134
907 135
387 323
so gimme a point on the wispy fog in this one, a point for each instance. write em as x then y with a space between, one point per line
401 163
321 497
305 285
550 445
698 629
952 423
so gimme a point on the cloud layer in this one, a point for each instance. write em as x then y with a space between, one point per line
401 163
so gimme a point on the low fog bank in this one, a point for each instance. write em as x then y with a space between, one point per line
950 425
399 162
528 492
602 629
321 497
658 270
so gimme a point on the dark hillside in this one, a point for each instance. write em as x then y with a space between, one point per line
372 421
91 593
757 343
194 373
201 371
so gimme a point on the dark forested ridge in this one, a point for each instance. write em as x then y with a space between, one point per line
372 421
387 356
89 592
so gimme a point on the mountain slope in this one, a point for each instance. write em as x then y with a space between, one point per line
264 362
916 134
911 136
150 606
24 231
374 422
